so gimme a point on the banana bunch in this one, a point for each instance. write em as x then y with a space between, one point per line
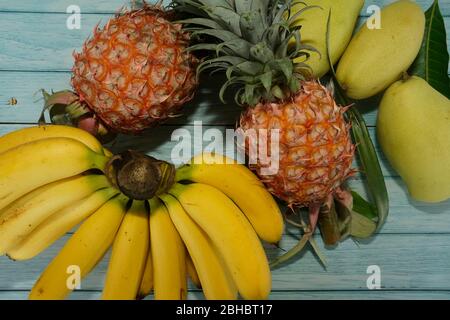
203 221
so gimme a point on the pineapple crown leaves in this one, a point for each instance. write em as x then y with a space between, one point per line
252 43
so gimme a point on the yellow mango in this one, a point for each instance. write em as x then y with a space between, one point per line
376 58
414 132
344 14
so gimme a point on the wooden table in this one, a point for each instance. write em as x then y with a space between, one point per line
412 249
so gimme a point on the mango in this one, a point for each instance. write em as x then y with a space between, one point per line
376 58
344 14
413 130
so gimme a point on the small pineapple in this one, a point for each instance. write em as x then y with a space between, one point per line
316 151
131 74
252 42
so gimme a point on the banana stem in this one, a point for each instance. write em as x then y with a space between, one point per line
101 162
139 176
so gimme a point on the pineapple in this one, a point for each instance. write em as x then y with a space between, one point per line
131 74
250 40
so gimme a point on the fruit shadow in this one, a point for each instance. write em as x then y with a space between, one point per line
369 108
205 107
429 208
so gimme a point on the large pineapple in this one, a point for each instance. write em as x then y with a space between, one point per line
250 41
132 73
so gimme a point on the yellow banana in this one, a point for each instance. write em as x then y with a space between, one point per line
27 197
59 224
213 276
82 251
107 153
20 221
232 235
37 163
243 187
147 277
192 272
169 265
22 136
129 255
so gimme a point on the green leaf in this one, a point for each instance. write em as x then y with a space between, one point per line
250 67
363 207
216 3
376 184
319 254
228 16
261 52
361 226
203 46
202 22
292 252
252 26
329 224
432 62
370 163
285 66
239 47
266 80
220 34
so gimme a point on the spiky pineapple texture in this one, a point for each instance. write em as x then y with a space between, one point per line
251 43
135 71
316 152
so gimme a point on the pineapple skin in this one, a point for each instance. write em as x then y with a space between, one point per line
135 72
316 150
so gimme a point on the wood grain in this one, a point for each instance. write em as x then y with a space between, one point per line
407 216
416 262
25 86
41 41
110 6
282 295
411 249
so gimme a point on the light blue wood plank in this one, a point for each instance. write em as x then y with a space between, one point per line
161 142
110 6
25 87
410 261
206 106
406 216
416 262
41 41
280 295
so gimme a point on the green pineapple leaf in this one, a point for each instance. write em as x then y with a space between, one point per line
364 214
365 148
201 22
238 46
432 62
252 26
231 18
361 226
363 207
